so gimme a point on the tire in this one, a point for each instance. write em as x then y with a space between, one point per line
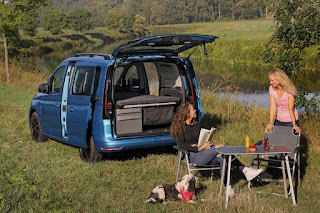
36 129
90 155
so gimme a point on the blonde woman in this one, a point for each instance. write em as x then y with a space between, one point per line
282 94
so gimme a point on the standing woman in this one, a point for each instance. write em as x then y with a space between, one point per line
185 130
282 94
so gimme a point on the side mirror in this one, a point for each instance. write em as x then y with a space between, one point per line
43 88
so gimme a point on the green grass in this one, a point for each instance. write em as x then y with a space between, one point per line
50 177
247 30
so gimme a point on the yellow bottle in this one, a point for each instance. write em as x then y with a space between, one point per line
247 141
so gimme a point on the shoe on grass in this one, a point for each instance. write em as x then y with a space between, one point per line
251 173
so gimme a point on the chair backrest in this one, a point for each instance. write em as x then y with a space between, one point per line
283 135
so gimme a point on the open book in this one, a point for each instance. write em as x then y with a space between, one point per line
205 135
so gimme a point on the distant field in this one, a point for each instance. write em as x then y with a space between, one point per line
247 30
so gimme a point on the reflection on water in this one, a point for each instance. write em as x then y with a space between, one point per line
244 77
50 61
259 99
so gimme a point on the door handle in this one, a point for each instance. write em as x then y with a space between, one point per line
58 105
71 109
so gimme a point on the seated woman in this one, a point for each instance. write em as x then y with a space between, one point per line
186 132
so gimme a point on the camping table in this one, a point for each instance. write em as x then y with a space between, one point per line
241 150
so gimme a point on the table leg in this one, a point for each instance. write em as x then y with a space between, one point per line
290 182
228 180
284 177
223 174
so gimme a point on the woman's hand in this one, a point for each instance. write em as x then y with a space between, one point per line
295 127
207 145
269 126
218 145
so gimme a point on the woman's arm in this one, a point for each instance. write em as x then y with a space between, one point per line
291 111
182 145
273 109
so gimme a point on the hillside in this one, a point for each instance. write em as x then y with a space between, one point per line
170 11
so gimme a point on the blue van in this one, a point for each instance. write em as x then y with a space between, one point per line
126 100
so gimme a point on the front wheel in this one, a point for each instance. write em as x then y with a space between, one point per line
90 154
36 130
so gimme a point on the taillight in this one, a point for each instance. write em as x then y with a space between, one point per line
112 148
107 101
191 98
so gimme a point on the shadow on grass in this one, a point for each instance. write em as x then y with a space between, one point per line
104 38
210 120
139 153
200 189
303 163
76 37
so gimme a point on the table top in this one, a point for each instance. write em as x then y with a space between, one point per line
236 150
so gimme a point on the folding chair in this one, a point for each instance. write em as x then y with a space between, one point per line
282 135
184 161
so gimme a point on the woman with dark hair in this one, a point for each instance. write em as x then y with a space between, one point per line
185 130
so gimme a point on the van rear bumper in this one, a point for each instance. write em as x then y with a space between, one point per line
115 145
107 143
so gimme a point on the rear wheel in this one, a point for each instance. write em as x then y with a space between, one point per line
36 130
90 154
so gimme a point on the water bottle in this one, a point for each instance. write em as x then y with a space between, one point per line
266 143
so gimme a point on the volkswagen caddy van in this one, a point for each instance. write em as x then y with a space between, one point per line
104 103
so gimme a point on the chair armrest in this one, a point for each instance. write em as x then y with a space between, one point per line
297 149
258 143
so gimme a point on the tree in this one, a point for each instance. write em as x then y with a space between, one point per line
127 21
55 21
80 20
113 20
12 14
29 19
298 27
140 23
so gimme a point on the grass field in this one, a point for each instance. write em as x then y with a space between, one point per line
248 30
50 177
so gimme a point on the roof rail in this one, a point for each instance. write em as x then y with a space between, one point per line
105 56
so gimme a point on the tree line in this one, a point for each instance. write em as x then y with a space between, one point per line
298 25
81 20
173 11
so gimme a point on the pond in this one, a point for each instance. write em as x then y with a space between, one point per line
247 83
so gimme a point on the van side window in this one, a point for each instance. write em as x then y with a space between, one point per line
83 79
56 80
132 77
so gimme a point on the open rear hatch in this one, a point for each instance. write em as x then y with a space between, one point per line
169 45
137 110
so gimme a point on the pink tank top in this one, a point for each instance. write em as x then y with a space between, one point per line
283 106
